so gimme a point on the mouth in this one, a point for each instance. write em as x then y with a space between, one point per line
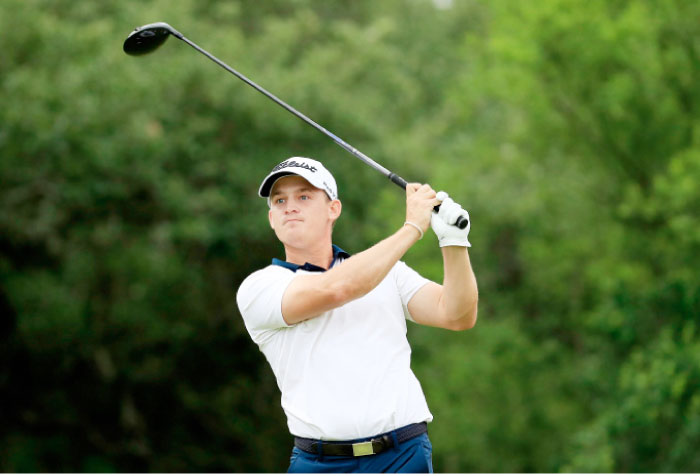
292 220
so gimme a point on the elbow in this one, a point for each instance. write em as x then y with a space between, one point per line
463 324
465 321
344 292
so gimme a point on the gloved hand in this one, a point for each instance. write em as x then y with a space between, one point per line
443 222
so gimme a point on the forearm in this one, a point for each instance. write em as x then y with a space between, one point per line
310 295
459 299
361 273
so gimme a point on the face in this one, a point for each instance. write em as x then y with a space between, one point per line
301 214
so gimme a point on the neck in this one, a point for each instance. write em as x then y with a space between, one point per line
319 254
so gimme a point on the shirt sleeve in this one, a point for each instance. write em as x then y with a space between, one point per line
408 282
259 300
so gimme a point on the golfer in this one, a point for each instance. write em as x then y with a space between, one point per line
333 326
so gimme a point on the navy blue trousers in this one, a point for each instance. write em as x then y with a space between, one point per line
411 456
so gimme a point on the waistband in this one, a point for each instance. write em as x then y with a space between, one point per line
366 447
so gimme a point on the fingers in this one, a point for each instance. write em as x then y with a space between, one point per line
453 214
412 188
420 199
450 211
423 189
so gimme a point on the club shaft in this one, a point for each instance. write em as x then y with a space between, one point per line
462 222
367 160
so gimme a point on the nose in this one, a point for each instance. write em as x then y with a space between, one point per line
291 207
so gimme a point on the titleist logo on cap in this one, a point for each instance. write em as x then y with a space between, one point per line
294 163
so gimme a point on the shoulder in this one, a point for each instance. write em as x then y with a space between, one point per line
271 271
408 281
259 299
265 277
401 269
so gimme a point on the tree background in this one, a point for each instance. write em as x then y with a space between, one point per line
569 129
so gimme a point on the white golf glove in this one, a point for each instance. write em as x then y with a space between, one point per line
443 222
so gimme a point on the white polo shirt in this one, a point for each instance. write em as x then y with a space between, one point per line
345 374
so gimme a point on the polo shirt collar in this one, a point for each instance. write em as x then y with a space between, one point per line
337 253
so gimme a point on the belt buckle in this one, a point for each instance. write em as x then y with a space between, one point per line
362 449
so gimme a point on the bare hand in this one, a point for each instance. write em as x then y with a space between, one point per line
420 200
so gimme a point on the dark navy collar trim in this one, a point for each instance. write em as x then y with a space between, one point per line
337 253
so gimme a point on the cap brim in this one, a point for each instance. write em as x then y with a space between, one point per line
269 181
323 181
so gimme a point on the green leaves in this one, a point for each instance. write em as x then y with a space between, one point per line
129 215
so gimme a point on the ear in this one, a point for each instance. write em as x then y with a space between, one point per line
335 209
269 218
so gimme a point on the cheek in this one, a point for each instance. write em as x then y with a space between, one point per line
319 211
273 218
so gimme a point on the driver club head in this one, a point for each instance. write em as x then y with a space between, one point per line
147 38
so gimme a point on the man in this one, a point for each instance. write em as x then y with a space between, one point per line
333 327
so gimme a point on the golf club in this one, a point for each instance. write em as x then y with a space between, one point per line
149 37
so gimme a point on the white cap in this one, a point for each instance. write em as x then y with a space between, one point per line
312 170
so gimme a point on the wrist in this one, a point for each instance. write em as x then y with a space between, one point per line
454 242
415 226
408 234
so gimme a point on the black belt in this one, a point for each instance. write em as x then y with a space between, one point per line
371 446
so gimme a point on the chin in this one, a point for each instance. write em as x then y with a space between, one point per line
294 238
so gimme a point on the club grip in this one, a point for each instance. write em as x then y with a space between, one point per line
461 222
398 180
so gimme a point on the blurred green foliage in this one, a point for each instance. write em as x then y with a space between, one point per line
569 129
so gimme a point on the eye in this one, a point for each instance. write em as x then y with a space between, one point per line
304 197
279 201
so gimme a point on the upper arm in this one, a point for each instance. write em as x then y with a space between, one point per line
424 305
259 300
426 308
